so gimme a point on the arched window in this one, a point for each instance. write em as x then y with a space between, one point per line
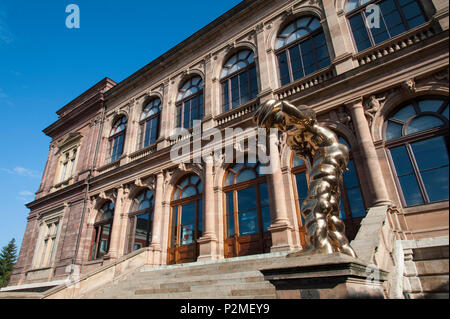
102 231
117 139
149 123
238 78
247 211
301 49
395 16
190 102
141 216
417 138
187 220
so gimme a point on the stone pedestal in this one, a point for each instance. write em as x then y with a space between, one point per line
334 276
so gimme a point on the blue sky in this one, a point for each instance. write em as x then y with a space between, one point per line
44 65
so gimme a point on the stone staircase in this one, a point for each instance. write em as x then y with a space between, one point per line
233 278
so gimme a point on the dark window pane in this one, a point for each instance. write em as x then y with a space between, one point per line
401 160
356 202
411 190
423 123
359 32
436 183
200 219
284 69
142 230
405 113
350 177
296 63
393 130
430 105
234 91
230 214
264 197
173 241
248 223
225 97
302 185
244 87
246 199
188 213
435 147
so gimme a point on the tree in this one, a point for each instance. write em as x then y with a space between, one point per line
8 258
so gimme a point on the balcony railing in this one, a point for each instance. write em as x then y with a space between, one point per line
237 112
142 153
306 83
395 44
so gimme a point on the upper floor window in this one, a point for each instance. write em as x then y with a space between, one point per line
417 138
301 49
117 139
395 16
190 102
102 231
149 123
66 165
238 78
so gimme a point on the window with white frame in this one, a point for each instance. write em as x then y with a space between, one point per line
47 244
67 164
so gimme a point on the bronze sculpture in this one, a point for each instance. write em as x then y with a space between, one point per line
328 159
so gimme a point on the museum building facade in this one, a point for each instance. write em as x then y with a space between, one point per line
110 189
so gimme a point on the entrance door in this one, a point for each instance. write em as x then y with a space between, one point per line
186 222
247 214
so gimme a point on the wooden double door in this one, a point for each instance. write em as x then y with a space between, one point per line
186 228
247 218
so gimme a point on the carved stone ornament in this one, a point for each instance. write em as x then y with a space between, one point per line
371 107
409 85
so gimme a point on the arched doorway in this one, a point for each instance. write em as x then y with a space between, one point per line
247 211
186 222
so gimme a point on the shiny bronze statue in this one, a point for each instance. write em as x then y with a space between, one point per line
328 159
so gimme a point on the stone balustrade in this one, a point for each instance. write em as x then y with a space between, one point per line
397 43
306 82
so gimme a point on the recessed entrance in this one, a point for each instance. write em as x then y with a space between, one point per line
247 211
186 221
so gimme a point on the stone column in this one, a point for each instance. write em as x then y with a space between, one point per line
375 180
157 213
281 227
113 251
208 242
154 251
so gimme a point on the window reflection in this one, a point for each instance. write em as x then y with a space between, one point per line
422 178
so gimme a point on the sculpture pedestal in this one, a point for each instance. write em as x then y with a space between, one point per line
333 276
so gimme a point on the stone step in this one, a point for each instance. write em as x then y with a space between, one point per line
223 288
247 276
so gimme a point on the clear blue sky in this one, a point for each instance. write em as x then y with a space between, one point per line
44 65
